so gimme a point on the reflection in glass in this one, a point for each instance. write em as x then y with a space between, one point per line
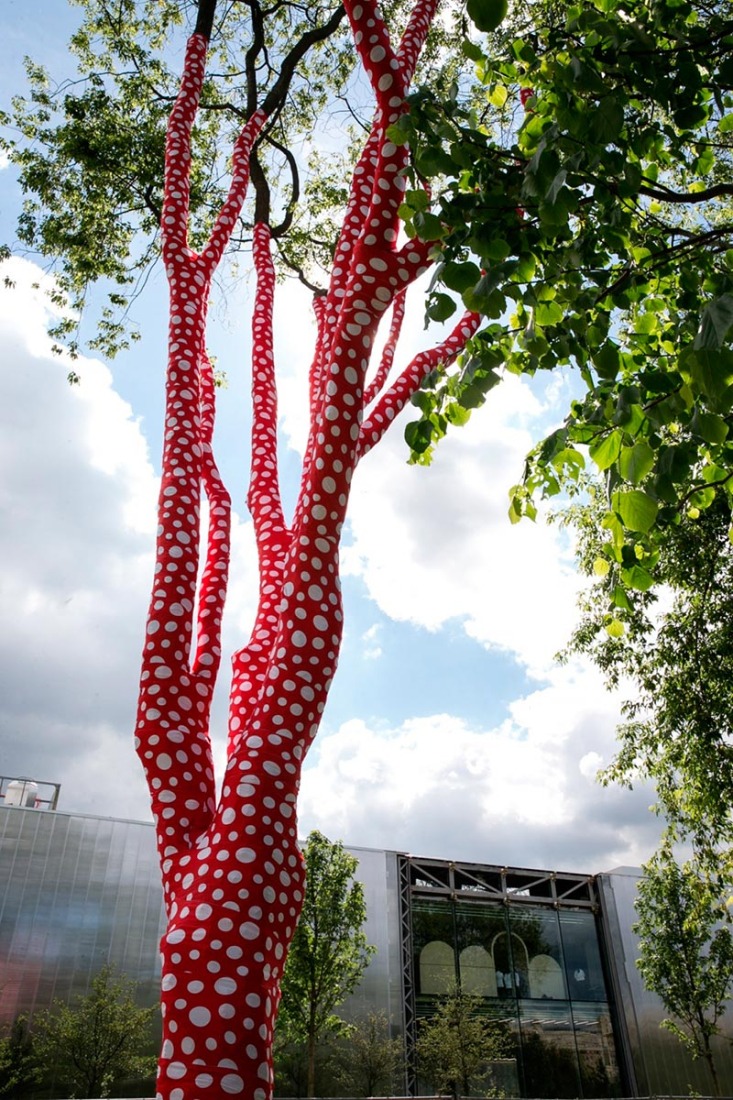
539 970
477 970
433 945
549 1056
437 968
582 956
596 1049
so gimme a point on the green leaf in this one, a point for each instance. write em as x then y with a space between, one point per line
712 428
457 414
635 462
418 435
607 360
715 323
441 307
487 14
605 451
712 372
638 511
429 227
460 276
498 95
606 122
638 578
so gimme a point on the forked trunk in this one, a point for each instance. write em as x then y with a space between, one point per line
232 873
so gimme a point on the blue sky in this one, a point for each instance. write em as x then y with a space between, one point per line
450 730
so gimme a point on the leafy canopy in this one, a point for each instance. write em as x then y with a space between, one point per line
584 209
674 659
99 1039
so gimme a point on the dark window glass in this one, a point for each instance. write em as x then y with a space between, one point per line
596 1049
582 957
548 1052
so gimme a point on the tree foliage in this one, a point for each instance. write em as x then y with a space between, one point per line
99 1039
329 951
19 1068
672 652
369 1058
89 149
585 211
686 949
456 1046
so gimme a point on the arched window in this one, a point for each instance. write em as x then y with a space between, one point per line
478 974
545 978
511 964
437 968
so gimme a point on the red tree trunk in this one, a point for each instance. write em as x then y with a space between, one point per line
232 872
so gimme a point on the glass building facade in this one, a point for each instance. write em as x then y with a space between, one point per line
550 956
533 957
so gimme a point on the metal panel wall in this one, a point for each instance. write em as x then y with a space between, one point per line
76 892
658 1062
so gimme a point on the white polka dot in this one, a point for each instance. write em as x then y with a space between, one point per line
199 1016
232 1083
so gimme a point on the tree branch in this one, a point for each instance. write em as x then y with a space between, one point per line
276 96
665 194
205 18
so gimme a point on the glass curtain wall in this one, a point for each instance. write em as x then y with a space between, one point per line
538 970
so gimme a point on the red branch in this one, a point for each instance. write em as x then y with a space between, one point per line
388 352
395 399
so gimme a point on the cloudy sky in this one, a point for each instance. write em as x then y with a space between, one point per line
450 731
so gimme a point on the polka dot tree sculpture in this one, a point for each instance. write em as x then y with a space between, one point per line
232 872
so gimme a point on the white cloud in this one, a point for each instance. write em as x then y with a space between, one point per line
517 794
434 544
77 523
4 161
372 648
76 528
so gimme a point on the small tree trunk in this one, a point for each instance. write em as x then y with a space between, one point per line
311 1087
710 1059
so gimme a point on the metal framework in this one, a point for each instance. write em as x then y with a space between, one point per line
436 877
409 1015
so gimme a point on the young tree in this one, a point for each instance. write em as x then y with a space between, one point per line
677 659
329 950
369 1059
19 1068
98 1040
456 1046
686 950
